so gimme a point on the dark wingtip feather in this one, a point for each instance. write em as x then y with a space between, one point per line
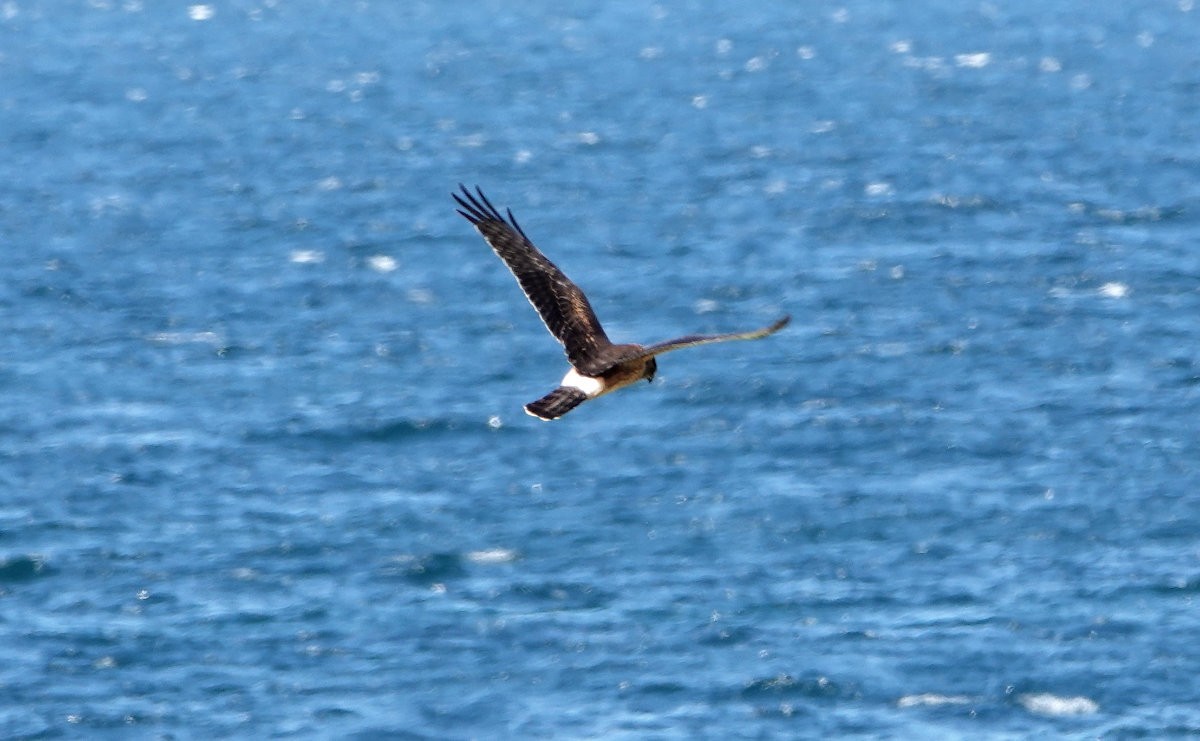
513 220
490 210
477 209
472 210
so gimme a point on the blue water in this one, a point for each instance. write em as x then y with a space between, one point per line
264 470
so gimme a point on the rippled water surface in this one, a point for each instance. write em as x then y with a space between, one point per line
264 470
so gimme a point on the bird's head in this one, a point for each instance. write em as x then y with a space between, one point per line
650 370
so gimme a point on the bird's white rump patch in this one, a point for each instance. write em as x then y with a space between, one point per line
590 386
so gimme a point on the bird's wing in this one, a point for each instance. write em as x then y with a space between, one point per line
691 340
562 306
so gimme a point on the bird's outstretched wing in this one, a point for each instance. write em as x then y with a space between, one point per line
691 340
562 306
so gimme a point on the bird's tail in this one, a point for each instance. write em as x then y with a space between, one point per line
556 403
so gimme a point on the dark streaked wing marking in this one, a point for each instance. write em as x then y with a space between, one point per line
693 340
561 305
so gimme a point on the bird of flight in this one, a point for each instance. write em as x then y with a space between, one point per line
597 365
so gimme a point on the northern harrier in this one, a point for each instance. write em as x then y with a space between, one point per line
597 365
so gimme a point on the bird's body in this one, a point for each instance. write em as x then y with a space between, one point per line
619 376
598 366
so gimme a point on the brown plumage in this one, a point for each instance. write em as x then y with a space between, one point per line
597 365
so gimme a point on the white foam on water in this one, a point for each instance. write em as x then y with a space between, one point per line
976 60
1044 703
307 257
492 556
931 699
1114 290
382 263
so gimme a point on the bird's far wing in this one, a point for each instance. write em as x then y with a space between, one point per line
693 340
562 306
